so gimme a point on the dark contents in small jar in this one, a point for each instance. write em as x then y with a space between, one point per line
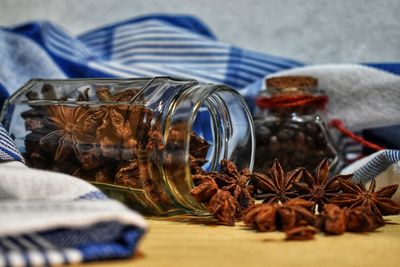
106 143
293 143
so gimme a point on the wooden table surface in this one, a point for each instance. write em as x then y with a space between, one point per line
178 242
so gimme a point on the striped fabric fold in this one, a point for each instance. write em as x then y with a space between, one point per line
39 249
376 164
49 218
154 46
8 151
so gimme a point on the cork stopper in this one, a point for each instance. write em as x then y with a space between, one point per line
291 83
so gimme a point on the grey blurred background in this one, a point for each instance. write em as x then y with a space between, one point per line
313 31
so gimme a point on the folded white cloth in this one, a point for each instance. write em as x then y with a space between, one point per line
361 96
49 218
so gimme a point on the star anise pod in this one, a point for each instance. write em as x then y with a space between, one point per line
332 220
355 195
362 219
36 120
198 146
271 216
276 186
139 118
195 165
123 130
117 118
83 96
301 233
218 201
104 94
335 220
318 187
123 126
295 212
262 217
205 190
224 207
155 140
128 174
75 128
151 188
125 95
236 182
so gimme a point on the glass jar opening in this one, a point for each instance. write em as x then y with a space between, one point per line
218 115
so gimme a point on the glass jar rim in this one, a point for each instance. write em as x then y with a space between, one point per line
209 95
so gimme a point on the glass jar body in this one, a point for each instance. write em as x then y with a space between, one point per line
133 138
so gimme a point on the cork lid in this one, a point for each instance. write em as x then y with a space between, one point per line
291 82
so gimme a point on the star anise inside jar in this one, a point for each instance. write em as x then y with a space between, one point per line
111 141
75 127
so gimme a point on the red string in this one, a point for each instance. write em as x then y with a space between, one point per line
290 101
338 124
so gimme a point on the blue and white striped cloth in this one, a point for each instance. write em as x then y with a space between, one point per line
8 151
51 218
179 46
157 45
374 165
57 228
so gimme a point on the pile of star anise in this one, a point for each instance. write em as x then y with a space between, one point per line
297 202
99 135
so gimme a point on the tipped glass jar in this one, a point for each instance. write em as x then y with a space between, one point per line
139 140
289 126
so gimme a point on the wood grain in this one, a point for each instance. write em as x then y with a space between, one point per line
178 242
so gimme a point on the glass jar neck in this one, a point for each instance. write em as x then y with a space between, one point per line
289 101
293 111
216 113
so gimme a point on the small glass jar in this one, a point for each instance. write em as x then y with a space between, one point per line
289 126
138 140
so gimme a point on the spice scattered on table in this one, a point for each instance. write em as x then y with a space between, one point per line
318 187
335 220
301 233
297 203
355 195
228 188
283 217
275 185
